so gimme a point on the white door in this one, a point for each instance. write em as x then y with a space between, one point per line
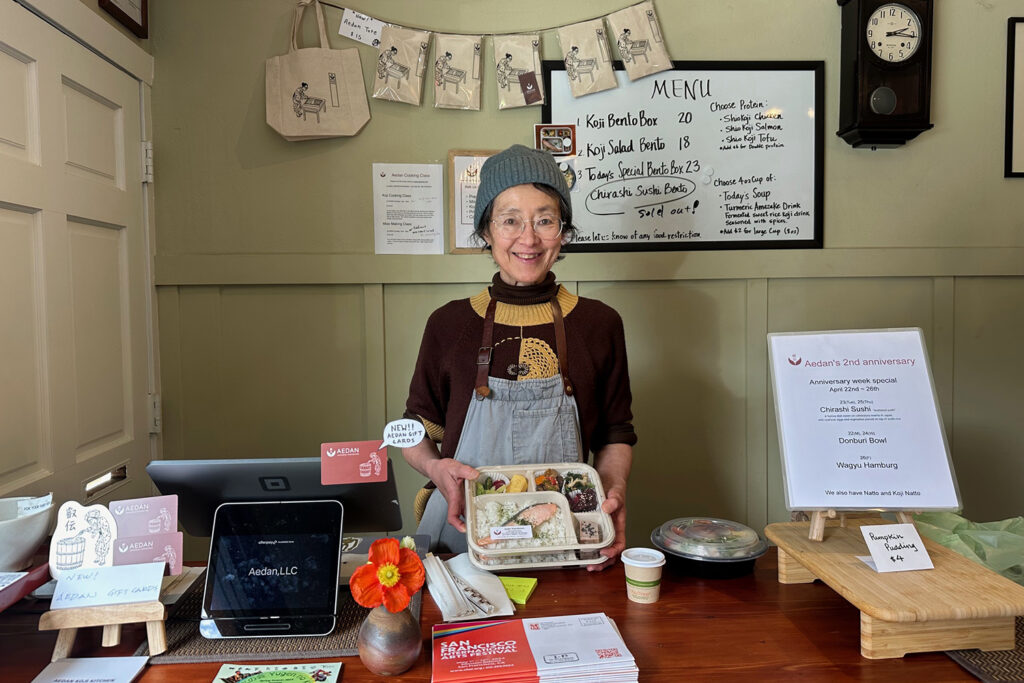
73 291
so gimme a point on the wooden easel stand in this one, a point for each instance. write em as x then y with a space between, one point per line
110 617
818 517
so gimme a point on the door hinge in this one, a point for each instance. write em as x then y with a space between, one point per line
147 161
155 414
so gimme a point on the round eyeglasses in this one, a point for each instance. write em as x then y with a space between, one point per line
546 227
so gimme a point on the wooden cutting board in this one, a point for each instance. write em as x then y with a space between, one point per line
957 605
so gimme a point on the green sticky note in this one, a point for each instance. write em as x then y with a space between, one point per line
519 589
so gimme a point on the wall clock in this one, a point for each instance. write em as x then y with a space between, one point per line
885 71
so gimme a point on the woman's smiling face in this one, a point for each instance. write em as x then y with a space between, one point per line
526 258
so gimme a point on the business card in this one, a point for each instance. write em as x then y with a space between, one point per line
530 87
144 516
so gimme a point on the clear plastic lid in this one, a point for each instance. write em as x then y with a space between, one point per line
708 538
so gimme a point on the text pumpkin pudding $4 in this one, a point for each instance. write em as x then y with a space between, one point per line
709 547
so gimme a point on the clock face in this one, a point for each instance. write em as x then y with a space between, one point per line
893 32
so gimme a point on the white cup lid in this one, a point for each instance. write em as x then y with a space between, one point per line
643 557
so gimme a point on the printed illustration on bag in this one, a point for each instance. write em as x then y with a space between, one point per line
457 72
517 70
445 73
388 68
83 537
640 40
401 64
631 49
303 104
509 74
505 70
576 66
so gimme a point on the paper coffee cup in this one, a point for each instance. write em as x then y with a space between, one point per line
643 573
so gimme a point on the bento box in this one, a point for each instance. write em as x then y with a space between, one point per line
536 516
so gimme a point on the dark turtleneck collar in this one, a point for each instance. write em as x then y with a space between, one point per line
526 295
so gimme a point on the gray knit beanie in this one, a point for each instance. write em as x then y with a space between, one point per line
517 165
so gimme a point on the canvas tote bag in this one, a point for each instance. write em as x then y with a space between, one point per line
315 92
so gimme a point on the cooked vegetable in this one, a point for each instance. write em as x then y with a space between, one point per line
517 484
550 480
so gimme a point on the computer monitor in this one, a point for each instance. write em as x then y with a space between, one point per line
202 485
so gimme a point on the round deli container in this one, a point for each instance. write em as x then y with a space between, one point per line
709 547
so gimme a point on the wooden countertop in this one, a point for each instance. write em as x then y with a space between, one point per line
747 628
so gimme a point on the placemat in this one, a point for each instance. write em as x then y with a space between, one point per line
185 645
1000 666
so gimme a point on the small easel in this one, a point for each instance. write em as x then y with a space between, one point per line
818 517
110 617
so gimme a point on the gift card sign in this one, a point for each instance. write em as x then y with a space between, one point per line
896 548
144 516
95 586
83 537
352 462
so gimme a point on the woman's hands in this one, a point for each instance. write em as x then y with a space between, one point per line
613 463
446 473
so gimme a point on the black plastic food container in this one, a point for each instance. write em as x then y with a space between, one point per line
709 548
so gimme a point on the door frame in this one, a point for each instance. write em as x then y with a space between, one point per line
83 25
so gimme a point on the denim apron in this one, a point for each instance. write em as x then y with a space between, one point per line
510 422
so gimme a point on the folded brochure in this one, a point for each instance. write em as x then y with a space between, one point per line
586 646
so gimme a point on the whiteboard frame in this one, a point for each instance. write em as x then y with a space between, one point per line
816 68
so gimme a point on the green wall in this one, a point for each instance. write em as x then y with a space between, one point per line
280 329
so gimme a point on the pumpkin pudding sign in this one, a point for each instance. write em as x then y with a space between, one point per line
354 462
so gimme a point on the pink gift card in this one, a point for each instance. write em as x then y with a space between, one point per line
151 548
145 516
353 462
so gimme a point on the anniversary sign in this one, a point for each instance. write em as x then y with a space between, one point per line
859 422
707 155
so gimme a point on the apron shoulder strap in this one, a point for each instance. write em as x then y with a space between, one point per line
483 355
560 344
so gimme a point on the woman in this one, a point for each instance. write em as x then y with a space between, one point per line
525 371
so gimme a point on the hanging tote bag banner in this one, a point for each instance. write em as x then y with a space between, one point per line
401 64
588 60
517 68
457 71
315 92
639 39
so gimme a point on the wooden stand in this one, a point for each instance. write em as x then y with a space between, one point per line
957 605
110 617
818 517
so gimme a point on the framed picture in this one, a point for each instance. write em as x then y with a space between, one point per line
463 179
132 13
1015 99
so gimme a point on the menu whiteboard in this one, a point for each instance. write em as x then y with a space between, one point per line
706 155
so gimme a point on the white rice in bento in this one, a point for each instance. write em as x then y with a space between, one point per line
553 532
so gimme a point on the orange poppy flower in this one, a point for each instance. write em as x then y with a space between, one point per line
391 577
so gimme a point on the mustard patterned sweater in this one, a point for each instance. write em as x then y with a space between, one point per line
524 348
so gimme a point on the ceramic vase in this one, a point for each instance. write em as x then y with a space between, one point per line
389 642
